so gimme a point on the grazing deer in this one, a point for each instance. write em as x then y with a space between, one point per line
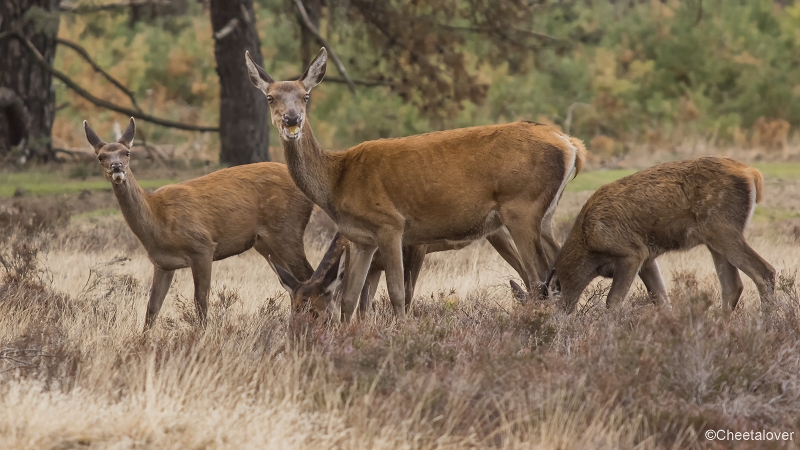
206 219
448 186
627 224
316 294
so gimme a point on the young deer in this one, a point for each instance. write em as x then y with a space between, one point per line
448 186
627 224
206 219
317 293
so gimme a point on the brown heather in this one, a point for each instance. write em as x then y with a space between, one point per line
469 369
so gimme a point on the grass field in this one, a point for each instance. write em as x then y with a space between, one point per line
60 182
471 368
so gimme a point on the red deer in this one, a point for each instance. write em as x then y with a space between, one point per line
317 293
627 224
206 219
447 186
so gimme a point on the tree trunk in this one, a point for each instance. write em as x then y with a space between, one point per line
243 111
38 21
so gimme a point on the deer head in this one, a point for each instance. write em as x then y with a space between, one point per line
316 294
551 288
288 99
114 157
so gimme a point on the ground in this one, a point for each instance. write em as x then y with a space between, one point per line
471 368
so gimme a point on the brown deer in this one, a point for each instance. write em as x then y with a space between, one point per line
448 186
627 224
316 294
206 219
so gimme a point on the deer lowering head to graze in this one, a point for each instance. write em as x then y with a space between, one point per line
627 224
209 218
448 186
317 293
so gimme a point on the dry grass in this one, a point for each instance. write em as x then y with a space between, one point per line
471 368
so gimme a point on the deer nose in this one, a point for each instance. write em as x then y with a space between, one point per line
292 120
116 167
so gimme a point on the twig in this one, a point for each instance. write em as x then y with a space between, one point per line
39 59
366 83
310 27
82 51
570 109
227 29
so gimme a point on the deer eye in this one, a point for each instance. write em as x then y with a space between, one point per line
128 153
100 158
306 97
270 99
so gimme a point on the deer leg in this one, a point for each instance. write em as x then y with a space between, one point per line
504 245
288 253
390 245
524 225
360 259
162 279
368 292
413 258
552 248
625 270
744 258
651 276
729 280
201 273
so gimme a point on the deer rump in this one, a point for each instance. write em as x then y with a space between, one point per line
627 224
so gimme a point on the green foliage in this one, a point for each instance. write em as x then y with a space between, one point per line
647 72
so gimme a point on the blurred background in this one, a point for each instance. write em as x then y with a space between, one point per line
631 78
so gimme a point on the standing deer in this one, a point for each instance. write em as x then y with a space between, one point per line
448 186
206 219
627 224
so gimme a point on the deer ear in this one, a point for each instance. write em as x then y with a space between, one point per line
316 70
288 281
127 137
519 293
258 76
334 276
92 137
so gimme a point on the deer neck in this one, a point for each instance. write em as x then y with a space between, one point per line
135 207
312 168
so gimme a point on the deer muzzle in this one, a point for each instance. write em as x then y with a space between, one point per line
291 125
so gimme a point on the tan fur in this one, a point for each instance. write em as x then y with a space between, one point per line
627 224
209 218
447 186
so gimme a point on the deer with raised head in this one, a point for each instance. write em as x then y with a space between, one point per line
627 224
447 186
193 223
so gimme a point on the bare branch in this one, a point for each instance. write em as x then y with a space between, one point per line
82 51
71 7
39 59
357 82
310 27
